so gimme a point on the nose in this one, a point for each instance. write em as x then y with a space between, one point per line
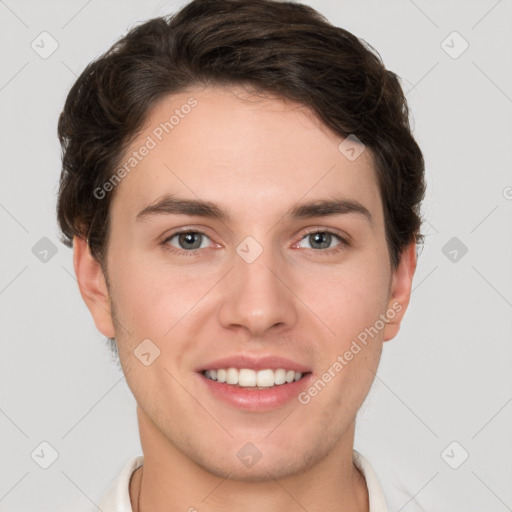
257 296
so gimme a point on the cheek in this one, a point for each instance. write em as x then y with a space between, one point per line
153 298
349 303
347 299
157 301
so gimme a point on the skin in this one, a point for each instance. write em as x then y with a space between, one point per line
256 157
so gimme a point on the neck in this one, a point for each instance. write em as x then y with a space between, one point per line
169 480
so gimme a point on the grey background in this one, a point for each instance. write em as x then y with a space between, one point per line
446 377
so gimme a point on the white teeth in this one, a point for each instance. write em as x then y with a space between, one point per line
266 378
247 378
280 376
231 376
290 376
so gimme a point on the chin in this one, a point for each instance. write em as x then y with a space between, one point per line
248 463
262 471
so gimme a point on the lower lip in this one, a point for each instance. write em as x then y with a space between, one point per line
258 400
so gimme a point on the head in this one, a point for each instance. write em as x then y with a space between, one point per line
250 125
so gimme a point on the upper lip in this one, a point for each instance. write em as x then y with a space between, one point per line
272 362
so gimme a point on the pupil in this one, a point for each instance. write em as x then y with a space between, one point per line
188 238
323 235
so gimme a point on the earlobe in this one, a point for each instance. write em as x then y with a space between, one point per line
93 287
400 292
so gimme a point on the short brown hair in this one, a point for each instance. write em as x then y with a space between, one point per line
284 48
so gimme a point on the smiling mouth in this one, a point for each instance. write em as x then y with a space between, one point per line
253 379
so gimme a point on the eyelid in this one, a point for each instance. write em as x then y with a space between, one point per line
343 239
165 244
167 237
186 229
325 229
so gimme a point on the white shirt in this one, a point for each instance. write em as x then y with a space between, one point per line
117 498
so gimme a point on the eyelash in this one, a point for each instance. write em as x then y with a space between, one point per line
194 252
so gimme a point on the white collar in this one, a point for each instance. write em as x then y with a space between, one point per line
117 498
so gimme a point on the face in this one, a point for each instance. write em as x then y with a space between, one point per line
271 288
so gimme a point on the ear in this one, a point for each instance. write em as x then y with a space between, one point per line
400 291
93 287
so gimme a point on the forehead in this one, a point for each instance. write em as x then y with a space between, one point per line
251 153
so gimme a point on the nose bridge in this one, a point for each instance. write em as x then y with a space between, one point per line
255 294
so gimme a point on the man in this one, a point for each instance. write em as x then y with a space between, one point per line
242 191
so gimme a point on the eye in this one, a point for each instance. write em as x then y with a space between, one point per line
322 239
187 241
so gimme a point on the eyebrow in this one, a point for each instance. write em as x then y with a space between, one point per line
170 204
